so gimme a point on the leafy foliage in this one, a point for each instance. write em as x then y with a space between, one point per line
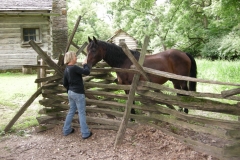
90 24
191 25
229 46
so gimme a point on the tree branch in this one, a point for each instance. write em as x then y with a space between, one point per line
138 10
174 13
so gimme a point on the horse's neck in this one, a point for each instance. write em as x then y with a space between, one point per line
115 59
115 56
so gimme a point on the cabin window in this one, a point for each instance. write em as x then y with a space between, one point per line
121 41
31 33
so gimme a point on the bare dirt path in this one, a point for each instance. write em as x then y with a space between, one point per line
140 143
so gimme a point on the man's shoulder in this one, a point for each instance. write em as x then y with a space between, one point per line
74 67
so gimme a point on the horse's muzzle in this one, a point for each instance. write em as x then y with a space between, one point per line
90 66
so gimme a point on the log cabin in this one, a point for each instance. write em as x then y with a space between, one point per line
122 36
43 21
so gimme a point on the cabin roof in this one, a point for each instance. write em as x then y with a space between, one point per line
117 32
13 5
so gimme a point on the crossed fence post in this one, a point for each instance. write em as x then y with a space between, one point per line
124 123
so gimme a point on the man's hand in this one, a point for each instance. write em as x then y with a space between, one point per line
84 61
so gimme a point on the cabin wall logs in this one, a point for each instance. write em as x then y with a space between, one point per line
106 102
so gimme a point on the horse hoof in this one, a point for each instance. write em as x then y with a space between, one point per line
180 109
186 111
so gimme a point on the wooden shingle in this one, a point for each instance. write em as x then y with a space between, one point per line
10 5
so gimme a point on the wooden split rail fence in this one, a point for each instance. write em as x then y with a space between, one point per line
105 109
106 105
106 102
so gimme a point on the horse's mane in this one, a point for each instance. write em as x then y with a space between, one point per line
115 56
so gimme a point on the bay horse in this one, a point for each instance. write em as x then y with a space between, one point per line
172 61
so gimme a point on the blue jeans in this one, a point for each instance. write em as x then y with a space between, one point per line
77 102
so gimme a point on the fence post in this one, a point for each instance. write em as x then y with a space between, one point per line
38 70
124 123
42 71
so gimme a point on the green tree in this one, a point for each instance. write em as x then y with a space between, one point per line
207 28
90 24
198 26
223 30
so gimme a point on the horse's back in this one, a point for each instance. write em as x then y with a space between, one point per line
172 60
174 55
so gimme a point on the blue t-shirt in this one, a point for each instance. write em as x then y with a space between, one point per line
72 79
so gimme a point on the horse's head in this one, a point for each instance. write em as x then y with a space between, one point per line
95 52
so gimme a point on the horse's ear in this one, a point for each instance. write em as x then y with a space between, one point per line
95 40
89 39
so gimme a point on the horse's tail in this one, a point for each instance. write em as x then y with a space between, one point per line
193 73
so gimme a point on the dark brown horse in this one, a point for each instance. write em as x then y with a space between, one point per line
172 61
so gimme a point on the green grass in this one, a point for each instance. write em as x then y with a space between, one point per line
224 71
16 89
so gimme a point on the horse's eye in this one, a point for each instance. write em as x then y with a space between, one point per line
93 50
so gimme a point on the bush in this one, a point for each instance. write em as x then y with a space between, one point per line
225 47
210 49
229 46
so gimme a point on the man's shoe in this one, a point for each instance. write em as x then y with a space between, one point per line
72 130
87 136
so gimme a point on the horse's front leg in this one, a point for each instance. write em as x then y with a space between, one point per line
132 109
126 79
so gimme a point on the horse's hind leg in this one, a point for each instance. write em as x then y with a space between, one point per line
182 85
133 112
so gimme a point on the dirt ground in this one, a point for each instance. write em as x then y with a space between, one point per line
140 143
